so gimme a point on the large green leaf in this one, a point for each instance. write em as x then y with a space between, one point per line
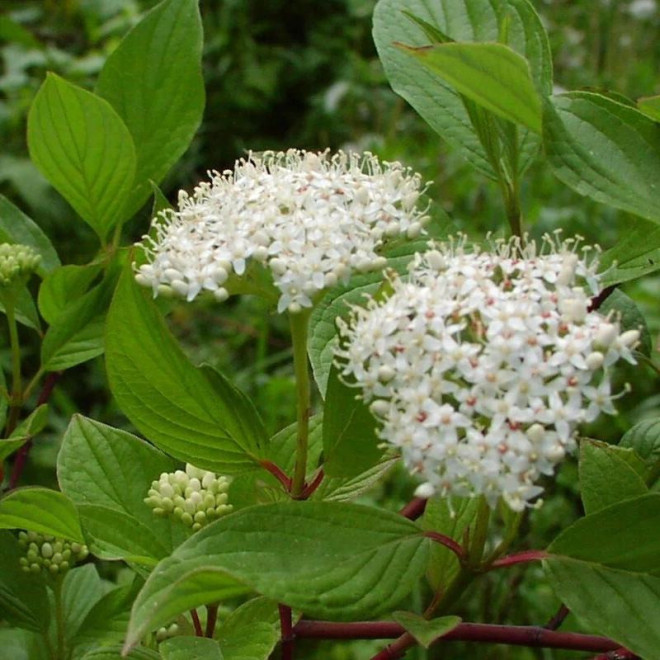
83 148
193 414
644 438
350 443
82 589
650 106
154 82
107 473
608 474
605 150
335 561
16 227
621 536
116 653
621 605
186 647
20 644
464 21
492 75
63 286
41 510
23 598
251 631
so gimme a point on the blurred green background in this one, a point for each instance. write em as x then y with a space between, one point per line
305 74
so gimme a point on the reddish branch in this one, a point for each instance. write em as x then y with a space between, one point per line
448 542
287 634
520 558
197 623
278 473
211 618
558 618
598 300
309 488
532 636
414 509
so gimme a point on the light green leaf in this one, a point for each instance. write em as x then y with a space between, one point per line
194 415
426 631
20 644
83 148
622 536
107 474
618 604
650 106
63 286
186 647
26 310
334 561
81 590
154 82
251 631
41 510
644 438
604 150
16 227
23 599
27 429
492 75
116 653
338 489
608 474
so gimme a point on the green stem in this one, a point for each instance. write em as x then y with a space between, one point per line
59 617
299 327
16 396
511 196
479 535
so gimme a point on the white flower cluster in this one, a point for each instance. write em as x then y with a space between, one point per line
480 365
51 553
17 263
195 497
311 219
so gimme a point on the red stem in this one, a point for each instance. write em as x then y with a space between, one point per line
617 654
287 632
558 618
22 455
533 636
197 623
520 558
277 472
309 488
448 542
211 618
414 509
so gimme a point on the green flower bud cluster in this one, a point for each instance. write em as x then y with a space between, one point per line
164 633
17 263
51 553
195 497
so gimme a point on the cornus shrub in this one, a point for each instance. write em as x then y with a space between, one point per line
458 374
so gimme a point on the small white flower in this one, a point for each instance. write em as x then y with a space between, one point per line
311 219
480 365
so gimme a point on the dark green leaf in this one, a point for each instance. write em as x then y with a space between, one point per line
26 310
16 227
23 599
251 631
154 82
492 75
335 561
605 150
41 510
185 648
83 148
350 443
26 430
81 590
425 631
608 474
194 415
116 653
107 474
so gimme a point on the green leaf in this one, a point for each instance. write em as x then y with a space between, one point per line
63 286
16 227
426 631
25 431
350 443
631 318
608 474
650 106
76 334
338 489
621 605
82 588
251 631
83 148
116 653
154 81
26 310
644 438
107 474
604 150
23 599
194 415
41 510
20 644
331 561
451 518
184 648
621 536
492 75
465 21
636 252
